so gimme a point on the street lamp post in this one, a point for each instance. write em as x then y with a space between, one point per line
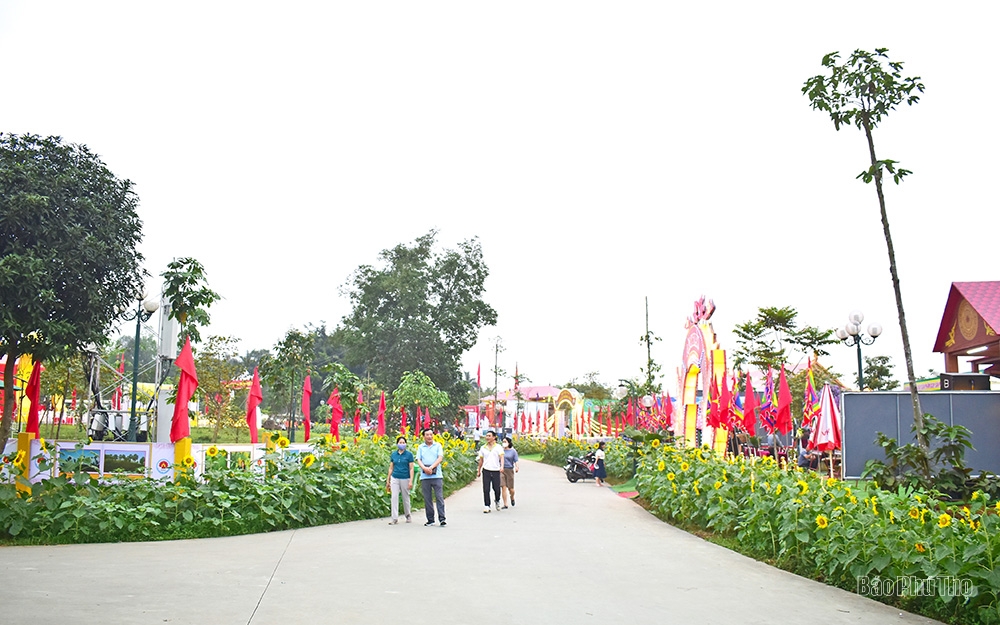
143 312
851 336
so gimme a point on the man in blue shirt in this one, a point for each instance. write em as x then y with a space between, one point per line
430 455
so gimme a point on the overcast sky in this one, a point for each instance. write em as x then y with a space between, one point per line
601 151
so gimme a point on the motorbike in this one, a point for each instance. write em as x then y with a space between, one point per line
579 468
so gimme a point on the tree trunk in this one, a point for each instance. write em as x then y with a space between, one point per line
8 397
918 414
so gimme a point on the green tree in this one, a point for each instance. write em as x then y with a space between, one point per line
416 389
218 365
63 373
878 374
69 265
185 287
125 344
420 310
590 386
861 92
764 341
283 372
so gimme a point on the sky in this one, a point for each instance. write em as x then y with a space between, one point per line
601 152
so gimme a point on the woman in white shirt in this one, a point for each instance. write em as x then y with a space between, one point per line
600 471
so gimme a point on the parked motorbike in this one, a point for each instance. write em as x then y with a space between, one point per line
579 468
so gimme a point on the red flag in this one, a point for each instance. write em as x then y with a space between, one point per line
712 418
479 379
725 405
427 417
117 396
357 413
402 419
73 405
336 413
253 400
381 416
668 411
590 417
180 426
784 418
32 391
749 408
307 391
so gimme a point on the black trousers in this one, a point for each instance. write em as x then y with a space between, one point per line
491 478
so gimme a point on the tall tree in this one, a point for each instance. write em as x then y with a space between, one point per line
283 371
878 374
218 366
862 91
185 287
69 264
420 310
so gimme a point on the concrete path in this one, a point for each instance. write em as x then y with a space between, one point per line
568 553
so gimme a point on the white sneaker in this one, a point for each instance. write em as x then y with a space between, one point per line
486 510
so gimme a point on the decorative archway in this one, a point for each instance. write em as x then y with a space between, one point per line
703 362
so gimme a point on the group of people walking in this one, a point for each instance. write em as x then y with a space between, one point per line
497 465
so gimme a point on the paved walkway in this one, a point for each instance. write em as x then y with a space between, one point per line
568 553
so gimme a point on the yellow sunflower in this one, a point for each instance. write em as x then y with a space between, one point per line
685 466
212 451
283 442
20 458
777 489
822 522
308 460
944 520
188 461
671 476
914 514
661 465
718 484
656 442
920 547
803 487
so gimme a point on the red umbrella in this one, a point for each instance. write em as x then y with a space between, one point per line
826 434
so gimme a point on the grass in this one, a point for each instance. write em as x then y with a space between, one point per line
532 457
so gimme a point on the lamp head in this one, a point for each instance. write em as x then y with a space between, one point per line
621 392
648 401
841 333
150 306
856 317
853 329
874 330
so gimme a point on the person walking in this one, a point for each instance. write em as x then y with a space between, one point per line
400 479
510 467
489 465
430 455
600 471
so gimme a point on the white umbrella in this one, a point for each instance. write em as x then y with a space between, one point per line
826 430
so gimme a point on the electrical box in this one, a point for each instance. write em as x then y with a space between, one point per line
965 382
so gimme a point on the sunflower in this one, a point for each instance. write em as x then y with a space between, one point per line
975 495
283 442
444 464
997 507
685 466
803 487
717 485
831 482
212 451
671 476
188 461
944 520
19 458
308 460
854 499
920 547
914 514
777 489
656 442
822 522
661 465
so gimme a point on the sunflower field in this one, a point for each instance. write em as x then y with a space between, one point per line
333 483
851 536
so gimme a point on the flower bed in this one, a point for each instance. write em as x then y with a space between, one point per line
857 537
334 483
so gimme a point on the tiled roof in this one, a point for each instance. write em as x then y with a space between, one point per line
984 297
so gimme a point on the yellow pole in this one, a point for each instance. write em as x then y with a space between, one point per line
182 450
21 481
